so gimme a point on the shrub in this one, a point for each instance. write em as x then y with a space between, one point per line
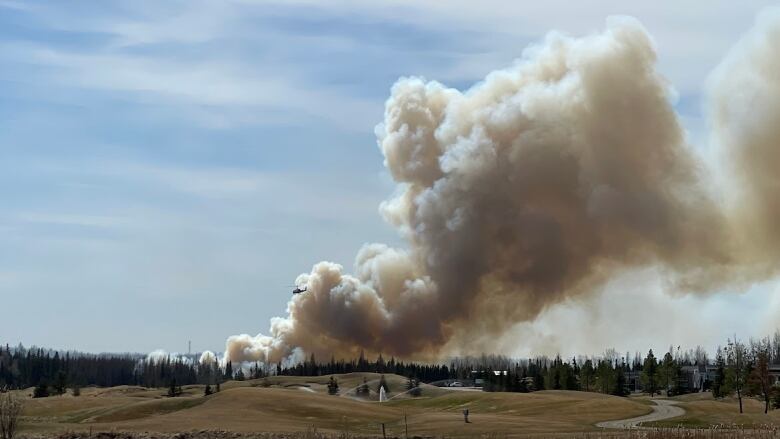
333 386
41 390
10 409
776 398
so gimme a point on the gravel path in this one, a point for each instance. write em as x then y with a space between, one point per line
663 409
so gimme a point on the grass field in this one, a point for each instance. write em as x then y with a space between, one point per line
300 404
703 411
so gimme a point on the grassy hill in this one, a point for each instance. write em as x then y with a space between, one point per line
290 404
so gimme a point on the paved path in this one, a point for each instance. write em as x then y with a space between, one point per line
663 409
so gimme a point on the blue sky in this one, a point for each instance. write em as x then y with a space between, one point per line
168 168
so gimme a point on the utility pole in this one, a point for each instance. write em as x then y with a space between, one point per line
189 347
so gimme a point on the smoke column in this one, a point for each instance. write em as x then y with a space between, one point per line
541 183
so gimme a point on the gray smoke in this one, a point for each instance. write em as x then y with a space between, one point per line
539 184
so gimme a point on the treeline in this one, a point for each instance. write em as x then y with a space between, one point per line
54 371
423 372
21 368
502 374
741 369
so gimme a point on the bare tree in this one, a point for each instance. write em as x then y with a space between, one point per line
10 409
760 377
737 366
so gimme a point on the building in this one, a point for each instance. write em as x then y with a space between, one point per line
774 373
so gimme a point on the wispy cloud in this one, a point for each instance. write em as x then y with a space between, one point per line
100 221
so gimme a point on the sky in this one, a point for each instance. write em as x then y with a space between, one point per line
167 169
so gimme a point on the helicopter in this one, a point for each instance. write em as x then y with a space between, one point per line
299 290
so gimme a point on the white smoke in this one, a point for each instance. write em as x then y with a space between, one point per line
159 355
539 185
207 357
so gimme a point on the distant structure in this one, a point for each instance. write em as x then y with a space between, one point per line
189 347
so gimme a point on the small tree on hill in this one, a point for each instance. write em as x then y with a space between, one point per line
41 390
363 389
173 389
207 391
333 386
61 382
413 387
382 383
76 391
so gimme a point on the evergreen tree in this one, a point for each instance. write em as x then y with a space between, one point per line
620 388
229 370
605 376
522 385
382 383
173 389
719 389
556 374
207 391
41 390
586 375
650 374
413 387
539 379
60 382
333 386
363 389
670 373
570 377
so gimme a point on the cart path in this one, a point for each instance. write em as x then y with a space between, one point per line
663 409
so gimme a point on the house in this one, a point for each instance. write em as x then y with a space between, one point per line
774 373
692 378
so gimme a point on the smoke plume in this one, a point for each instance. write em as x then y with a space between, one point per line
539 184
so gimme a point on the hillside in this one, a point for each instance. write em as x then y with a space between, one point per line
289 404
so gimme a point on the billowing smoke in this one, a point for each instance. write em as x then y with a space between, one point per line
745 118
207 357
539 184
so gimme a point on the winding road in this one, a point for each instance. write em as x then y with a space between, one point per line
663 409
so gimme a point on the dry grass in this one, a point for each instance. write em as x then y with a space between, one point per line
297 405
702 411
313 433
